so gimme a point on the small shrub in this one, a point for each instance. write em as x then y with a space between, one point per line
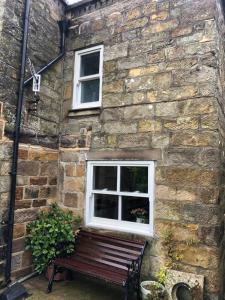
51 236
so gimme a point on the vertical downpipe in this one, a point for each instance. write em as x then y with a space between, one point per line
19 107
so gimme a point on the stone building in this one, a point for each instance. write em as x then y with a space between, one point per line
131 118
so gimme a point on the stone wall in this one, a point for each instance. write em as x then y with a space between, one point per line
42 125
36 187
221 116
160 99
38 163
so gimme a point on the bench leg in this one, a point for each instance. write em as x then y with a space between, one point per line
50 283
127 291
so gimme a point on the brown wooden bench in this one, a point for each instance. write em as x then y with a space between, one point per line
109 258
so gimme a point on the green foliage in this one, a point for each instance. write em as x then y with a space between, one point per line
173 254
156 292
51 236
161 275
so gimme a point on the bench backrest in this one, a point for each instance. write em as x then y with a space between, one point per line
112 251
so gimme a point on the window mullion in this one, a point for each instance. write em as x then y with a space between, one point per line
120 208
118 178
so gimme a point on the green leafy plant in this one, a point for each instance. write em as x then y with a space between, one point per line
156 292
161 275
173 254
51 236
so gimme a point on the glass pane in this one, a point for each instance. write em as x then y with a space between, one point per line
135 209
105 178
90 64
106 206
134 179
90 91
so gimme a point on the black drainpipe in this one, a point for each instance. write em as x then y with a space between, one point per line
16 144
63 25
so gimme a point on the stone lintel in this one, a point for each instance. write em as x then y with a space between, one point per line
154 154
82 113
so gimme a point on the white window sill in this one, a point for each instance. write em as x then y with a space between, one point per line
135 228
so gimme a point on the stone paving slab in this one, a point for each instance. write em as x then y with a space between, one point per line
80 288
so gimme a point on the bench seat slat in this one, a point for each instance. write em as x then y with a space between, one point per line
102 260
93 270
133 244
92 252
107 245
96 248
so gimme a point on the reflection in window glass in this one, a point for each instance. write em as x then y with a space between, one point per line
90 91
105 178
106 206
90 64
134 179
135 209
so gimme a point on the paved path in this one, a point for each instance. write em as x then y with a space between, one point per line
79 288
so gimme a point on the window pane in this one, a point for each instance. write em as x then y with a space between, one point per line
90 91
106 206
105 178
90 64
135 209
134 179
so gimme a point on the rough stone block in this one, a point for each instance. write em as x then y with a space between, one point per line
119 128
71 200
116 51
149 126
114 87
38 180
39 202
23 154
138 112
25 215
74 184
181 123
19 193
28 168
23 204
31 192
19 230
187 139
49 168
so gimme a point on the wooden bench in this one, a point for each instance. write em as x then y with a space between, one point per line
108 258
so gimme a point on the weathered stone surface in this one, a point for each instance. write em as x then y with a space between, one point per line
71 200
149 126
205 139
114 52
38 180
28 168
73 184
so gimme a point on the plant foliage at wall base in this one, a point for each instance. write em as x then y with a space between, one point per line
51 236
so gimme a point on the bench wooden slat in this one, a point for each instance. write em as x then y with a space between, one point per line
98 253
105 250
101 260
120 241
94 271
104 244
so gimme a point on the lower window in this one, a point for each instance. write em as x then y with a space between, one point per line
120 196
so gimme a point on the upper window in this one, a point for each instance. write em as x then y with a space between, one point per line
88 78
120 196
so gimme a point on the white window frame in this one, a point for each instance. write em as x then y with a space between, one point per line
78 79
119 225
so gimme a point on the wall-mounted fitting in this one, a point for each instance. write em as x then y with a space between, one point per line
184 286
32 104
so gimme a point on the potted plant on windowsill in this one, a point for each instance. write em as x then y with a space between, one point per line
50 236
140 214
